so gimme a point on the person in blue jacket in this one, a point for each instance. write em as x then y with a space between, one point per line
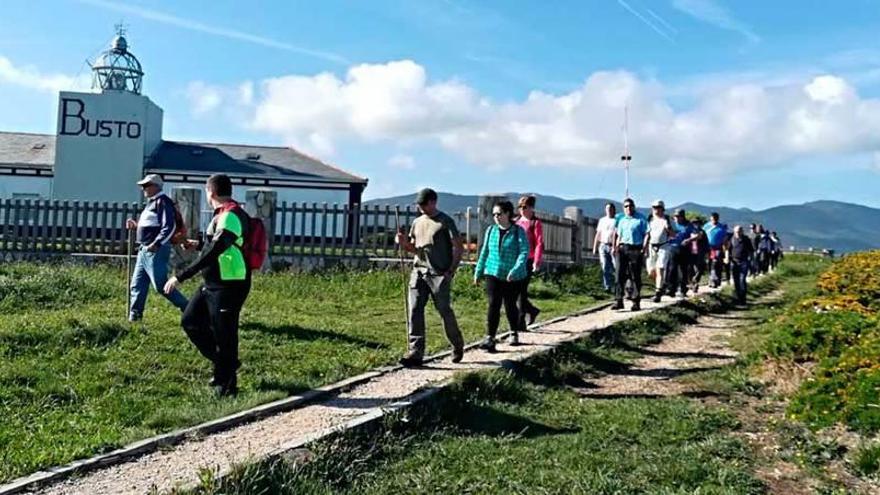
678 275
502 264
716 235
632 229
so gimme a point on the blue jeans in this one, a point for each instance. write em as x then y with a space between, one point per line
609 264
151 269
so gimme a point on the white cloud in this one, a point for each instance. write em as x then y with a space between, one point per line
711 12
203 98
30 77
404 162
736 126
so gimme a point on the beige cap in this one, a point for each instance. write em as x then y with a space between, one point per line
154 179
658 204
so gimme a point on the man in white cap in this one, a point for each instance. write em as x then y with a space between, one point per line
155 228
657 243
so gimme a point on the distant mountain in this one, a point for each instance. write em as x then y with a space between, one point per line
844 227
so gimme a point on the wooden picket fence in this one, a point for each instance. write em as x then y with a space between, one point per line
303 232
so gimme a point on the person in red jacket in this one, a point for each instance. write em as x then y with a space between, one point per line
535 233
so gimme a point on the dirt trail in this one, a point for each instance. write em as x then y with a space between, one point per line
699 347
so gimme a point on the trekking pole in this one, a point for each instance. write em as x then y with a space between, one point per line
128 248
402 269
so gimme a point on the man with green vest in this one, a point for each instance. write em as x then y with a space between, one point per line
211 318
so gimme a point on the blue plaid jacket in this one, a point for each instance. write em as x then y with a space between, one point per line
510 259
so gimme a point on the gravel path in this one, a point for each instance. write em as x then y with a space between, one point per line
699 347
179 466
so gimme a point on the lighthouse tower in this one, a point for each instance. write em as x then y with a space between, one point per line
105 136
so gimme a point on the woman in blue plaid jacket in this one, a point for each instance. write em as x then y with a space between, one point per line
502 263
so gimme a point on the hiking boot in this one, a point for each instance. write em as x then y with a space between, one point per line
488 345
533 315
457 354
229 388
134 318
636 306
411 359
216 381
617 306
657 297
513 338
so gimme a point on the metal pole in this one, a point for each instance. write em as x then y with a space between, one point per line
402 269
128 249
467 230
626 158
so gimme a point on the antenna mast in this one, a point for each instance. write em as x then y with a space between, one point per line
626 157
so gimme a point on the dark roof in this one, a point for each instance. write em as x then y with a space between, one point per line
233 159
21 149
38 151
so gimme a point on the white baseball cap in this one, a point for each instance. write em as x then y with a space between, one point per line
658 204
154 179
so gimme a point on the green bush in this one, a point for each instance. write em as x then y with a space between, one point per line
845 388
808 335
867 459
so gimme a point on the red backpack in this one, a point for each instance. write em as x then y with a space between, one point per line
255 247
180 234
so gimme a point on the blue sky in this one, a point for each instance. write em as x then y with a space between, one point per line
740 103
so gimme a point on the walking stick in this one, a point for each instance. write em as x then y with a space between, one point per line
128 247
402 270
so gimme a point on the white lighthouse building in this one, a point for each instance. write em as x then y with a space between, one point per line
109 138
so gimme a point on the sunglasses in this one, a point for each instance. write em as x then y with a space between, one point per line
497 213
629 206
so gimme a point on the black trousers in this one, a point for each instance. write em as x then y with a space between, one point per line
525 306
630 263
501 291
763 258
211 323
678 271
698 267
740 278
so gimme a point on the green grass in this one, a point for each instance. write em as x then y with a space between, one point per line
530 431
494 432
76 379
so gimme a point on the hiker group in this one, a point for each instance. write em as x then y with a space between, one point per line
677 252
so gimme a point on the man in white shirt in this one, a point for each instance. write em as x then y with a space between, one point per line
657 243
603 246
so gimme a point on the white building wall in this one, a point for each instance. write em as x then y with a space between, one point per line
12 186
101 144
